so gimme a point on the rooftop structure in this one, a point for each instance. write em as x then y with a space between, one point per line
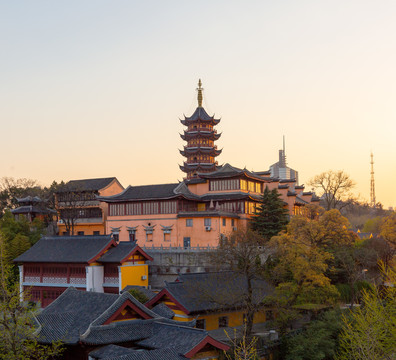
200 135
280 169
109 326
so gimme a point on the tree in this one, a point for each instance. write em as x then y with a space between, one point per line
369 332
388 229
138 295
335 188
11 189
70 204
318 340
271 217
18 339
241 252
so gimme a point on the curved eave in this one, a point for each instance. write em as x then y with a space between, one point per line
188 121
211 135
198 151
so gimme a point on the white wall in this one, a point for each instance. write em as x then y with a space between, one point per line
94 278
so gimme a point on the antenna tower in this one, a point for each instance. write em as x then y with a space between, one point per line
372 185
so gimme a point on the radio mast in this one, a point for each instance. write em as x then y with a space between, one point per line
372 185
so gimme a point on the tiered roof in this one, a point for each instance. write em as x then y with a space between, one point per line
80 249
87 318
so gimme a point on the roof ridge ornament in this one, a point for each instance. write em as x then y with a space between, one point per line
200 96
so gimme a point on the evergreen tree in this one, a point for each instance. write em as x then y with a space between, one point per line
270 217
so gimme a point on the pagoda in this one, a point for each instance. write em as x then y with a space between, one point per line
200 135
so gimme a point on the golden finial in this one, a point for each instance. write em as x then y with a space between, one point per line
200 97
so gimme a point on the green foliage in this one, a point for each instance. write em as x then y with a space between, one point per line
19 235
369 331
318 341
271 217
138 295
18 339
372 225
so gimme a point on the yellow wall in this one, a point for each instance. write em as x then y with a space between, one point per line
86 227
132 275
234 319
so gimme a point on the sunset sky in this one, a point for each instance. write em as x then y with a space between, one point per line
96 88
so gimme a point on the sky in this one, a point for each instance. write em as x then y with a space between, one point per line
96 88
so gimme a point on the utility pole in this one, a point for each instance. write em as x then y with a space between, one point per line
372 185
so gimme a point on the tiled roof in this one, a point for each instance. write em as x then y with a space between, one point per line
230 196
122 251
151 192
109 351
118 303
178 337
70 315
79 317
200 114
221 290
29 199
32 209
89 184
118 332
159 354
227 170
66 249
162 310
147 292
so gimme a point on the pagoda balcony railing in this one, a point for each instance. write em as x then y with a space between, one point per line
192 162
55 279
200 147
111 280
201 130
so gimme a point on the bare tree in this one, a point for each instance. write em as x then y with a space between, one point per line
71 204
335 188
242 253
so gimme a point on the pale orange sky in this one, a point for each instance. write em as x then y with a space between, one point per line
96 88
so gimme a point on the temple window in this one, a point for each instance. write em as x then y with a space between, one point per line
167 232
232 222
117 209
115 232
132 232
149 232
96 233
224 221
201 324
251 186
186 242
223 321
258 187
80 233
208 222
189 222
243 184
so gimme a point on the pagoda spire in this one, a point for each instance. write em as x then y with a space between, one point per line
200 135
200 96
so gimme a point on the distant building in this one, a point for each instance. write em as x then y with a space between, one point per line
89 263
93 326
209 203
280 170
80 212
32 207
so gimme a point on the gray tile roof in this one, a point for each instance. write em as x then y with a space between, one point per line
169 336
163 311
116 305
147 292
201 292
159 354
230 171
70 315
26 209
89 184
78 317
200 114
118 332
151 192
123 250
110 351
66 249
